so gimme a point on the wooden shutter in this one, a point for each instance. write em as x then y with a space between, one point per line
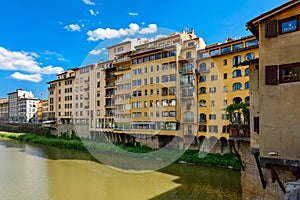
271 28
271 75
256 124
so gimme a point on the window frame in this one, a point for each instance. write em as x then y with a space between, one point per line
289 66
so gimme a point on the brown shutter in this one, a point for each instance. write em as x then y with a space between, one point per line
271 75
271 28
256 124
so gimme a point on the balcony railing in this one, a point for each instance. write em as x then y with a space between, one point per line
239 131
186 70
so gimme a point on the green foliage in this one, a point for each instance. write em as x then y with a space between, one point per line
189 156
241 108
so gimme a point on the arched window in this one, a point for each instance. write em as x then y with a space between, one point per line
236 60
237 73
188 116
237 86
202 103
237 100
247 99
247 85
247 72
203 67
250 56
202 90
202 118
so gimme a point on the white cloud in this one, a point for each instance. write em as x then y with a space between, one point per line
152 28
88 2
25 62
62 59
27 77
143 23
95 52
94 13
72 27
101 34
133 14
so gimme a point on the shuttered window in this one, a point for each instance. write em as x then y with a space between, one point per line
256 124
271 28
271 75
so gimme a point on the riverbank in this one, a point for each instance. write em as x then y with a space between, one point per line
73 142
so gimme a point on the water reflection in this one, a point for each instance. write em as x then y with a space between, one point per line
44 172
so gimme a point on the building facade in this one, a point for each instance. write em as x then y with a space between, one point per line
171 89
3 110
22 106
275 119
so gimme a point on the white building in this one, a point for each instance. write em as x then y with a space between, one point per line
22 106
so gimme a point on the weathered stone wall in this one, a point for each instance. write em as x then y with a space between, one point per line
251 183
24 128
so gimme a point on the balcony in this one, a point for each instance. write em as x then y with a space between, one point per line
203 70
202 121
186 71
119 91
119 102
110 85
109 76
239 132
186 83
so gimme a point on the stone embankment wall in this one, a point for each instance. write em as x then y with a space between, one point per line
251 183
24 128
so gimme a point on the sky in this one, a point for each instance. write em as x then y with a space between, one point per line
39 39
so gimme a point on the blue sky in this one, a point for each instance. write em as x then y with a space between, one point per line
38 39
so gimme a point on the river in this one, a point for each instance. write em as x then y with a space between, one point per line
39 172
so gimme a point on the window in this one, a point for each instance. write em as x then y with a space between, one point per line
289 73
145 114
250 56
225 62
151 103
224 116
188 54
146 70
251 43
212 64
236 60
151 80
237 100
212 89
157 103
247 85
157 67
146 59
203 55
225 89
172 77
202 90
145 92
256 124
187 91
157 114
289 25
190 44
172 53
164 54
246 72
214 77
172 102
237 73
145 81
203 67
225 76
165 103
271 75
202 79
151 69
165 114
225 129
188 117
247 99
157 79
203 128
151 57
165 78
226 49
212 116
237 86
151 92
271 28
157 56
213 129
238 46
202 103
212 103
145 104
157 92
225 102
214 52
172 114
202 118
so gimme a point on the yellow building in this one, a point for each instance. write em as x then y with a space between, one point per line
42 110
3 110
223 81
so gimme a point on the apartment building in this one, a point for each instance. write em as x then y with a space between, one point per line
3 110
42 110
61 96
222 81
22 106
172 87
